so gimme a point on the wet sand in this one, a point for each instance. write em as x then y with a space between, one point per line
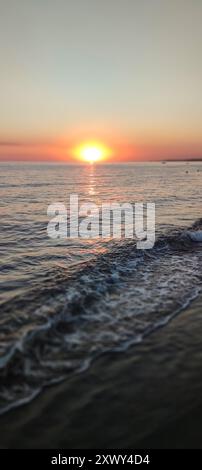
149 396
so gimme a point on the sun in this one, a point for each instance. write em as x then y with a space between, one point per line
91 152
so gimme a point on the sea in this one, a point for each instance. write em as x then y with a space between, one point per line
65 302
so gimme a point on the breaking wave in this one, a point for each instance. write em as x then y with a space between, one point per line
94 307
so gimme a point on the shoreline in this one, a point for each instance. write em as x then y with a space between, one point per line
148 396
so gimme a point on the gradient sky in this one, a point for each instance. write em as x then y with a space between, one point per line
126 72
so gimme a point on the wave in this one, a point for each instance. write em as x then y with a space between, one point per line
103 305
195 236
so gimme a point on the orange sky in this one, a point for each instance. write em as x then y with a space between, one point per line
127 73
62 151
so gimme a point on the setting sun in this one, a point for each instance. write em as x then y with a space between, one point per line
91 152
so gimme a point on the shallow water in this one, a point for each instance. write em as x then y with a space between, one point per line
63 303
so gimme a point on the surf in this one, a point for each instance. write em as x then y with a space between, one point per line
103 305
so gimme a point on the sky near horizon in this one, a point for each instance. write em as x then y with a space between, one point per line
127 73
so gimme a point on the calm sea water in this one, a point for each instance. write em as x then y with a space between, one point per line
64 302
